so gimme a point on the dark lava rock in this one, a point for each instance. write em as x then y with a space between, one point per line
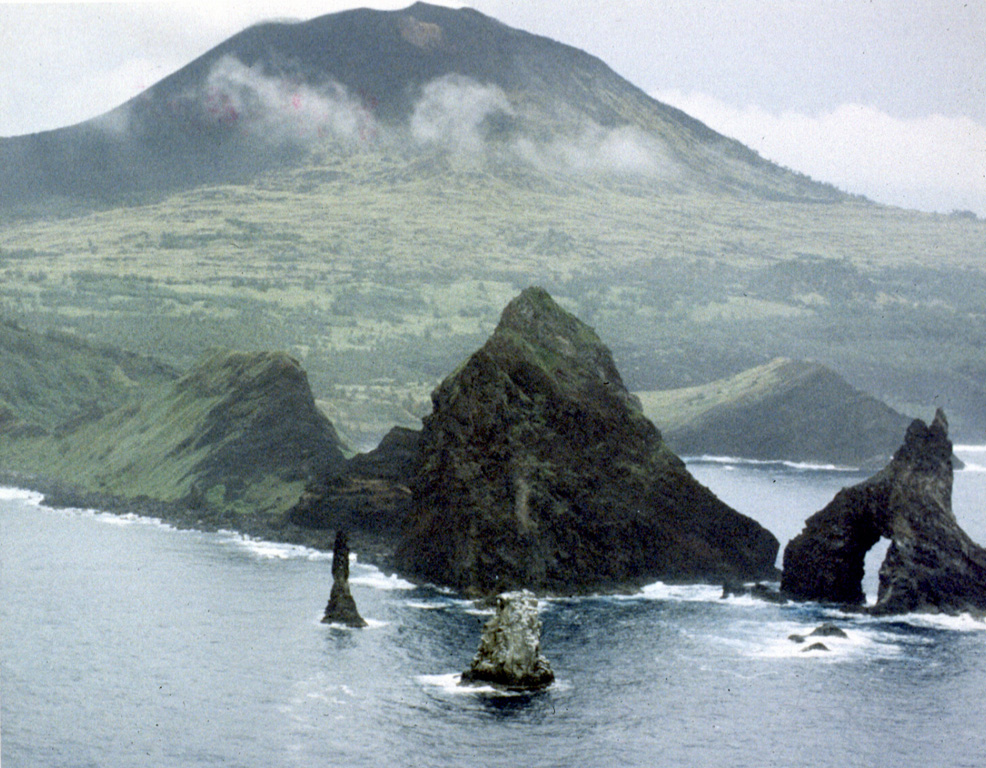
828 630
369 497
342 607
395 459
539 470
815 647
509 652
931 564
796 638
759 591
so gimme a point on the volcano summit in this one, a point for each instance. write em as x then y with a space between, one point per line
419 79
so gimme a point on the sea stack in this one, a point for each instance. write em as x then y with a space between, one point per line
341 608
931 565
509 652
538 470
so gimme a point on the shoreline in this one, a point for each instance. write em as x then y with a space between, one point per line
371 550
61 495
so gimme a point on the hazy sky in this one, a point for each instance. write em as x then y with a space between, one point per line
882 97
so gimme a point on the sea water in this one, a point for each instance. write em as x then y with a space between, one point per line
128 643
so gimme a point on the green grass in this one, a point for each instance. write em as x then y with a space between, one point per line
203 441
382 274
677 407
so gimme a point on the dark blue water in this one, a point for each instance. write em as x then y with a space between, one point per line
127 643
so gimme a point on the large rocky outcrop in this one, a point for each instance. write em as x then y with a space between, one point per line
931 564
341 608
509 653
369 496
538 470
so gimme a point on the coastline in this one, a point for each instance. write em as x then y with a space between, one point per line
59 494
370 549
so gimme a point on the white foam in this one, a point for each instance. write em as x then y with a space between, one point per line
806 466
19 494
423 606
688 593
272 550
858 642
443 603
370 624
128 518
450 684
377 579
962 622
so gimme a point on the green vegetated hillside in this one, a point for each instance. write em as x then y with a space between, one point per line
56 381
411 203
238 433
784 410
381 274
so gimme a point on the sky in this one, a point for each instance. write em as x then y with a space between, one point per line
885 98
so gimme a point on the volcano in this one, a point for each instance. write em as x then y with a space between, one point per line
421 79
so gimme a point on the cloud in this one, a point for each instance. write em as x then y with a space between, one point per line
454 114
470 119
281 110
453 110
935 163
625 150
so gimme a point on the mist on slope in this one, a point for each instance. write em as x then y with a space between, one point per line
471 121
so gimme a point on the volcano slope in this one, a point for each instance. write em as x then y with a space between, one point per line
422 76
366 190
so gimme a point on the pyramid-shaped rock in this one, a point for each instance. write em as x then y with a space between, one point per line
539 470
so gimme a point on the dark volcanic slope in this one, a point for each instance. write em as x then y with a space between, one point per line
538 470
266 95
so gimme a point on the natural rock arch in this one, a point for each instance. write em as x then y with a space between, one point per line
931 563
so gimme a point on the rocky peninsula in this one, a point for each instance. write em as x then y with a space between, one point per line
786 410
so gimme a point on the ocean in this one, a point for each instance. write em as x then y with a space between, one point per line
126 642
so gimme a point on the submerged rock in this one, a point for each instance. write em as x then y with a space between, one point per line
538 470
931 564
342 607
815 647
828 630
825 630
509 652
